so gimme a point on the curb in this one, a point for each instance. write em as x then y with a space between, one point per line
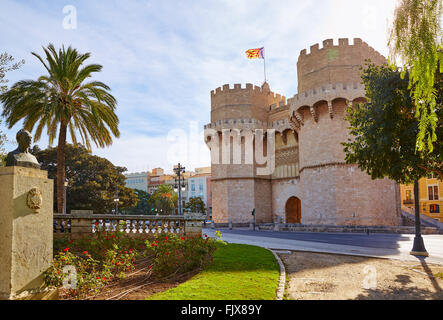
282 277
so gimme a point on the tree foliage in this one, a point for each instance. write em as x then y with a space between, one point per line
164 199
91 179
3 141
143 206
7 64
63 101
195 204
416 37
384 129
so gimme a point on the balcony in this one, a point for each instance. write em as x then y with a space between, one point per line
408 201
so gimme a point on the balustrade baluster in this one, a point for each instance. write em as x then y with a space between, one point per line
143 226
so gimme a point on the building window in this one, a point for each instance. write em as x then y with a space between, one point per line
201 187
434 208
433 192
193 187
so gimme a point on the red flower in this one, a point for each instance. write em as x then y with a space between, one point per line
71 241
85 252
126 252
156 241
130 250
104 278
167 253
96 225
66 249
181 238
113 235
166 238
150 266
154 245
98 277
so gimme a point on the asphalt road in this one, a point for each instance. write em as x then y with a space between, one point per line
390 241
395 246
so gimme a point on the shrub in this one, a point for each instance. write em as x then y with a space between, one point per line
107 256
175 255
96 260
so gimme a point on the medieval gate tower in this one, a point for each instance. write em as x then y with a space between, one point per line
311 183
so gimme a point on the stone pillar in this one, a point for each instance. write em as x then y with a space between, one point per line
81 223
193 225
26 231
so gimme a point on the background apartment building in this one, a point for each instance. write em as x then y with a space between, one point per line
430 197
197 183
137 180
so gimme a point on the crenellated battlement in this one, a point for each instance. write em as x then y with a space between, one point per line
343 43
225 92
226 89
336 62
249 101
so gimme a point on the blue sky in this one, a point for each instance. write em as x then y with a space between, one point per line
162 58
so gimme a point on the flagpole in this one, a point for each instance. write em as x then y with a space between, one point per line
264 63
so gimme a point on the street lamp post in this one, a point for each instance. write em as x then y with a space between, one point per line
179 186
116 199
418 248
64 200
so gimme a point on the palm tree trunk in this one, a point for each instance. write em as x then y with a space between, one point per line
61 167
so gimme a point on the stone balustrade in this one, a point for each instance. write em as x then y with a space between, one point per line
77 225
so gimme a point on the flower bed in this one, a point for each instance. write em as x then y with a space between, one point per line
83 268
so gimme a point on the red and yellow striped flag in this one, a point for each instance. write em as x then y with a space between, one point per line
257 53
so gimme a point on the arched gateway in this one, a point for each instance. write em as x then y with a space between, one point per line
293 210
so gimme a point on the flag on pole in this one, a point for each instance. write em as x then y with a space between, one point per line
258 53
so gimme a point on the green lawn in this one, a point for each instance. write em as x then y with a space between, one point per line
239 272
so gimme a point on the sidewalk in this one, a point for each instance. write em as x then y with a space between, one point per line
433 245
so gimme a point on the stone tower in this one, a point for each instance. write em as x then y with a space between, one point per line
236 188
311 183
333 192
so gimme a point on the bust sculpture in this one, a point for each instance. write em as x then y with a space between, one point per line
21 156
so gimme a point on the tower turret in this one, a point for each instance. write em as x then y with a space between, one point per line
333 191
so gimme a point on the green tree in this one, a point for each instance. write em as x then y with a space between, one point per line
7 64
164 199
143 205
3 141
64 100
195 204
384 129
416 38
91 179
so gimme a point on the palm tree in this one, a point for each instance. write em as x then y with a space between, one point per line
64 100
